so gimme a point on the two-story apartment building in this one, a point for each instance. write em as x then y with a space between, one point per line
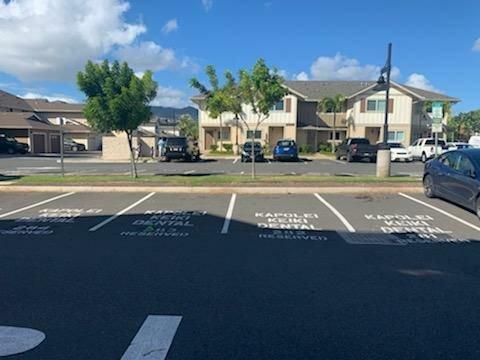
296 116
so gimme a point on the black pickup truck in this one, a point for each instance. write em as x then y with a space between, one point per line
353 149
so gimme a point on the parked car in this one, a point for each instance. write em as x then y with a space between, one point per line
455 176
353 149
285 150
474 141
398 152
180 148
424 148
457 145
70 145
257 150
10 145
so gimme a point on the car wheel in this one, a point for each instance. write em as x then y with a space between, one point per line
424 157
429 187
337 156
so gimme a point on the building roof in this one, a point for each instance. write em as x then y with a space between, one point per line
10 101
313 90
43 105
24 120
71 128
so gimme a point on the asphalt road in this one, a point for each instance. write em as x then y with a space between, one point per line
19 165
240 277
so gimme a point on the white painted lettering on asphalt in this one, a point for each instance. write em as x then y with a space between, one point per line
165 223
15 340
288 226
154 338
189 172
120 213
228 216
35 205
441 212
345 222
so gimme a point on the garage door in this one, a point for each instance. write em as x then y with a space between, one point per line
39 143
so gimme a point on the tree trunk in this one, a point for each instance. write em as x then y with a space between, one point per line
334 131
133 170
253 154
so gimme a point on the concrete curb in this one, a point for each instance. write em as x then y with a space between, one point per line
217 190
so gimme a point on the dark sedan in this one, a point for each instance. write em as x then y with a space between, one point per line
455 176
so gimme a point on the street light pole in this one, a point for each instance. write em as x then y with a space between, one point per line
236 134
61 146
388 68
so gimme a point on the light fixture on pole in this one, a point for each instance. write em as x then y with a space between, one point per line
236 134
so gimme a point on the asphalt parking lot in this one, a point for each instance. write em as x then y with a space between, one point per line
137 275
19 165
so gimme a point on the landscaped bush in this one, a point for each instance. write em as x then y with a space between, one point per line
228 147
325 147
213 147
304 149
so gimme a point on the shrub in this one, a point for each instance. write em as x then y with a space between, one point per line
228 147
325 147
213 147
304 149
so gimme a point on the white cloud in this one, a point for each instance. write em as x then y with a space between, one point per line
167 96
303 76
283 73
54 97
171 25
421 82
207 4
341 67
52 39
476 46
147 56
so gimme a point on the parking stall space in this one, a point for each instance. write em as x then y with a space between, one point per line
164 216
401 219
282 217
65 215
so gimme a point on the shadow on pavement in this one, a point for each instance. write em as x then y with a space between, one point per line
252 293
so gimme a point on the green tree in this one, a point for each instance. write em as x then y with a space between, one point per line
465 125
117 100
188 127
334 105
260 89
215 97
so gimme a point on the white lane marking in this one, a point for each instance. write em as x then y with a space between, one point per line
189 172
15 340
269 162
228 216
236 160
441 211
293 173
242 173
35 205
120 213
154 338
336 213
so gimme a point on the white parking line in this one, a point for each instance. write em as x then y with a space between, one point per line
338 161
228 216
189 172
336 213
236 160
441 211
35 205
269 162
242 173
154 338
15 340
120 213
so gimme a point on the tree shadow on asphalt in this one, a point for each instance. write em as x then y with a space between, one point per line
249 289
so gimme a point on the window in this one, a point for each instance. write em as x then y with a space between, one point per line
337 135
396 136
376 105
258 134
279 106
450 159
465 166
225 134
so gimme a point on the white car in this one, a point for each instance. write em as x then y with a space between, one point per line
458 145
398 152
474 141
424 148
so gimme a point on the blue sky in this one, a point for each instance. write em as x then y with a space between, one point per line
435 47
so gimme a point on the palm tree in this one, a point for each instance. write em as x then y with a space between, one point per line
334 104
215 97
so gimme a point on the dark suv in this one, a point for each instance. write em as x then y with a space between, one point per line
10 145
180 148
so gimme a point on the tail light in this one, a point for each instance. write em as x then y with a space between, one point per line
432 149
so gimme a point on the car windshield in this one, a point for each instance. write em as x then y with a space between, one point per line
249 145
285 143
176 142
396 146
360 141
432 142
